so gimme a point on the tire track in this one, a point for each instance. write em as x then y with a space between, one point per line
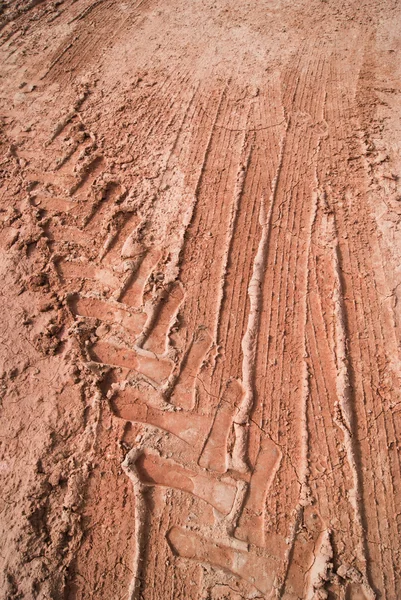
205 221
362 317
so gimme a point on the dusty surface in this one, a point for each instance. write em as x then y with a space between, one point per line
200 240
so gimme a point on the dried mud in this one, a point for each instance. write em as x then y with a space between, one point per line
200 337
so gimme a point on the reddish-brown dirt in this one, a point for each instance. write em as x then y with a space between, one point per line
200 216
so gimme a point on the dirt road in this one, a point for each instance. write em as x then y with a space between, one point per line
200 211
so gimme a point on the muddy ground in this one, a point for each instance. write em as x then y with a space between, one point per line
200 211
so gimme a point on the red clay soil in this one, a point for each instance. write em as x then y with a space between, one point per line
200 216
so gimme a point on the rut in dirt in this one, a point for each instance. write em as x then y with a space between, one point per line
201 252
